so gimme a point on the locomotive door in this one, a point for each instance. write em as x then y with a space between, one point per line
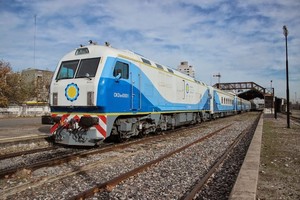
135 80
122 86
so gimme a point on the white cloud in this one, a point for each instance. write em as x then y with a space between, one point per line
242 40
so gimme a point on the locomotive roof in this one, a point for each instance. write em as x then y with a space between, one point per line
96 50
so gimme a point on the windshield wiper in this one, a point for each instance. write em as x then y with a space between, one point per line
62 78
87 75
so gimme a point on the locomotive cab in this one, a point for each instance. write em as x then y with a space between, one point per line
72 97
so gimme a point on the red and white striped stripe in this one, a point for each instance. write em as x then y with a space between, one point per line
101 127
55 126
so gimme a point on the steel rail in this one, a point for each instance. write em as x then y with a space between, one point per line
21 153
73 156
110 184
295 120
199 185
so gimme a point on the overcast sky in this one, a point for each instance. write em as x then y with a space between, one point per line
240 39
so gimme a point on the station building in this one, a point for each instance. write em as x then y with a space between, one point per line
41 80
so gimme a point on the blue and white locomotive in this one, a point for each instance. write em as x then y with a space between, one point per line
99 92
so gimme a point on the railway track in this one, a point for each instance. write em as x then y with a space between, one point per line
108 185
22 140
73 156
296 120
68 157
23 144
293 119
26 152
192 193
110 158
60 159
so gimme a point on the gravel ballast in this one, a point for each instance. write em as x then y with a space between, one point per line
169 179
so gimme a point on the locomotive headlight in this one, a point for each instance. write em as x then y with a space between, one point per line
54 98
90 99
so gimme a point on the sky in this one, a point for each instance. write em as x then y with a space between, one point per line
240 39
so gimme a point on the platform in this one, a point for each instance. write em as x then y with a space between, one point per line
246 183
271 166
18 128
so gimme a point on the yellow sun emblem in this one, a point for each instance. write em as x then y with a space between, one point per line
72 91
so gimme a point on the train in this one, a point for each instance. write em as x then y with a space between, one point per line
99 92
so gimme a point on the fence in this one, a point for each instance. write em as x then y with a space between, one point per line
24 111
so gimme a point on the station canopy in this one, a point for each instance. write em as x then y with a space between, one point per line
246 90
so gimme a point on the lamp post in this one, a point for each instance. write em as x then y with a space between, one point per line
272 95
219 77
285 33
271 84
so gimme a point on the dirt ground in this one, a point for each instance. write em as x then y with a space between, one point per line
279 174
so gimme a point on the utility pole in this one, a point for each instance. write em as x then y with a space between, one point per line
34 37
219 77
285 33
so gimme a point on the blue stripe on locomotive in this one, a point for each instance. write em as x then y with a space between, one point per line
116 95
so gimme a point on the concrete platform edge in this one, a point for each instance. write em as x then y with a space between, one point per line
246 183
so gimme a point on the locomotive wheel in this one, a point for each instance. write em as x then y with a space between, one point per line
141 134
115 136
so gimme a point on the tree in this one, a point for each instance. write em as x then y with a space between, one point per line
18 91
28 90
5 69
14 89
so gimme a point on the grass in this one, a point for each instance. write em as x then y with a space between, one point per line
279 176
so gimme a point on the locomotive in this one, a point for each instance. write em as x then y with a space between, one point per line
100 92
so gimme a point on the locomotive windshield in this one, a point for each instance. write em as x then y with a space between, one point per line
67 69
88 68
78 68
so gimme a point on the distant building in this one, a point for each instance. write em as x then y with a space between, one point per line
41 80
186 69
